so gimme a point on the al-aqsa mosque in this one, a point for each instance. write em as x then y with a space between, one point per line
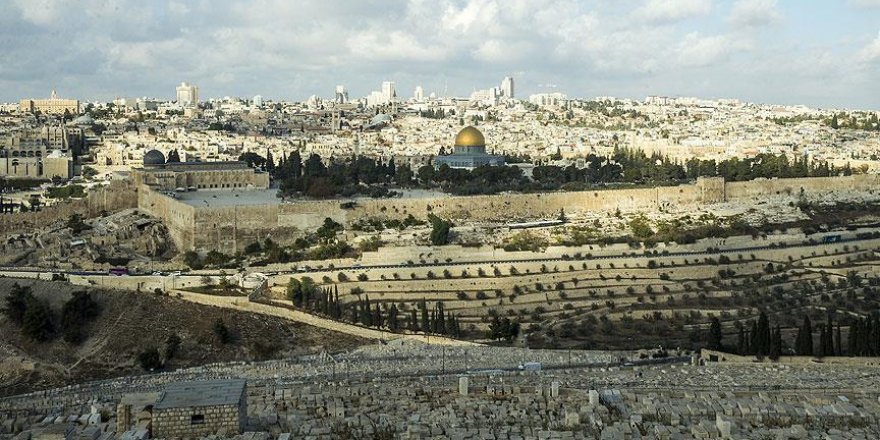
469 152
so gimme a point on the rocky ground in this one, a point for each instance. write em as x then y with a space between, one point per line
123 238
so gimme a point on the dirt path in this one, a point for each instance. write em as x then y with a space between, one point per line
240 303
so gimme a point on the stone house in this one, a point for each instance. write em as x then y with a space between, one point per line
199 409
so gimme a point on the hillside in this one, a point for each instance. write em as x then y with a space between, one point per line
130 323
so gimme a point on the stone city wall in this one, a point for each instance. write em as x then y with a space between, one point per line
230 229
117 196
758 189
177 216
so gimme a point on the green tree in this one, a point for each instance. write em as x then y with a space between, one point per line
641 228
76 314
715 335
327 231
16 303
172 345
804 338
37 323
221 331
149 359
173 157
439 230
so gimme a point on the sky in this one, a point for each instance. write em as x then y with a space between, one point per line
821 53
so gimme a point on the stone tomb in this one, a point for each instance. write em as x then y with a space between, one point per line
199 409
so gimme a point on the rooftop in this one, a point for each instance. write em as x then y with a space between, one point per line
204 393
249 197
196 166
223 198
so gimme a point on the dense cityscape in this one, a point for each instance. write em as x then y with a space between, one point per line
394 259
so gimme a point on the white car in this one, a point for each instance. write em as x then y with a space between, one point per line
176 273
157 274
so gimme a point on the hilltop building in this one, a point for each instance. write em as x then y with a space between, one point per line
469 152
53 106
41 153
187 94
188 176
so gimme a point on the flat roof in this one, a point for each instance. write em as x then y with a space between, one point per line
197 166
215 198
221 198
201 393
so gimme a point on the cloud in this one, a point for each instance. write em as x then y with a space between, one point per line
871 52
866 3
699 51
284 49
40 12
754 13
672 10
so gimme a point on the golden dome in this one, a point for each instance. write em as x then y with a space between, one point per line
470 137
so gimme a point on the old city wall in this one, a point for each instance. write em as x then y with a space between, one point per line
117 196
757 189
178 217
230 229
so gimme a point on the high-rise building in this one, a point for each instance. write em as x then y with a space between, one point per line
388 92
507 87
341 95
187 94
419 94
258 101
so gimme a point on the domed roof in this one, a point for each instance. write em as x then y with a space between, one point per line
470 137
154 157
381 118
84 120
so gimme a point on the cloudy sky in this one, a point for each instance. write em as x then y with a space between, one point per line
822 53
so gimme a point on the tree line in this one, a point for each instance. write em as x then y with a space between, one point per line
38 321
307 295
760 338
361 175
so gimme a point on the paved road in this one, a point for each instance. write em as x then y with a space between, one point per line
240 303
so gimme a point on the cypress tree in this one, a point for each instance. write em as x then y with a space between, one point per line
754 343
715 335
741 340
776 343
853 338
830 337
763 335
426 323
804 341
377 316
838 347
392 318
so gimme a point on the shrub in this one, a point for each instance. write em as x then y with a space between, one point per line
221 332
149 359
75 314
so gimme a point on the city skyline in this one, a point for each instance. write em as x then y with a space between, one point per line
765 51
